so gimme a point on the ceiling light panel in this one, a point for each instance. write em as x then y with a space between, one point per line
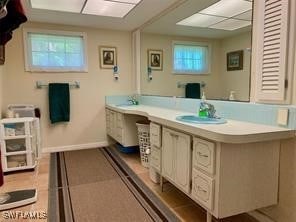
245 16
107 8
231 24
59 5
200 20
228 8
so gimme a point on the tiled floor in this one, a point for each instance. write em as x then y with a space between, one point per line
186 209
26 180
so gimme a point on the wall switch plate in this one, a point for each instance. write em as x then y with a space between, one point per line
282 116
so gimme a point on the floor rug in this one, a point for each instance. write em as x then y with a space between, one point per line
96 185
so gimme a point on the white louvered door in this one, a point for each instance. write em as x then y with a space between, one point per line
272 51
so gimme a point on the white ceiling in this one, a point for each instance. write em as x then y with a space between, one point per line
167 23
139 15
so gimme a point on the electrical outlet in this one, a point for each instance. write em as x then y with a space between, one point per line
282 116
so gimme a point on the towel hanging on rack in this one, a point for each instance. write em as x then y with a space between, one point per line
59 102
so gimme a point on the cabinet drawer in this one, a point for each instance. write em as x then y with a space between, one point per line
202 189
155 158
15 145
203 155
119 119
155 134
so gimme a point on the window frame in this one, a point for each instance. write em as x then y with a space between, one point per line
209 57
28 58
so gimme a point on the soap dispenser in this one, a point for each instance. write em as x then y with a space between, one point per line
203 97
202 112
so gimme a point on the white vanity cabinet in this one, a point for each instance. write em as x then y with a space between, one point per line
229 179
225 173
122 127
176 158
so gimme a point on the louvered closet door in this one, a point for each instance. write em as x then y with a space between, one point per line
272 64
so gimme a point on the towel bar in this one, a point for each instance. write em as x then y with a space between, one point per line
40 85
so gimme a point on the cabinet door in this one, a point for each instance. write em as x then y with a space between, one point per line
271 50
108 121
168 156
112 124
182 161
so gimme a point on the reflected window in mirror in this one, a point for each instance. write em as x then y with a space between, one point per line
191 58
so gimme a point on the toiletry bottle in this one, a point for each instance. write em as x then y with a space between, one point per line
203 97
202 108
231 96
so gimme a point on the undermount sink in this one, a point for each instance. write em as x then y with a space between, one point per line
200 120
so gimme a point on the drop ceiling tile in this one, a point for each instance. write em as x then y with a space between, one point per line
200 20
59 5
230 24
245 16
228 8
107 8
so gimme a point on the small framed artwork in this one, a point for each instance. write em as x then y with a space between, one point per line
108 57
2 54
235 60
155 59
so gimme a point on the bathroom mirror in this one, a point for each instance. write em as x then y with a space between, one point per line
198 41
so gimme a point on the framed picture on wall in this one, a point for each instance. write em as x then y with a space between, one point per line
155 59
235 60
108 57
2 54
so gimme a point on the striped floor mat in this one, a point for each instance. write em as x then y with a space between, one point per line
96 185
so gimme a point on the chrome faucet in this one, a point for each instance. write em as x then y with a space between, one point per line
133 99
208 108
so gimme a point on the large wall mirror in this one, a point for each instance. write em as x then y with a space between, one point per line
202 45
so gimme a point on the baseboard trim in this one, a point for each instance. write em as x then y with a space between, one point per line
261 217
74 147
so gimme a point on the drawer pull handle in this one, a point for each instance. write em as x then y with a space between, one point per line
202 155
201 189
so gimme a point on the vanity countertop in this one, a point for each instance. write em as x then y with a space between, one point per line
231 132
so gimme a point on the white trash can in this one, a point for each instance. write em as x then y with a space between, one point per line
144 141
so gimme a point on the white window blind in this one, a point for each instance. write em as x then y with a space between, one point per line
56 52
190 58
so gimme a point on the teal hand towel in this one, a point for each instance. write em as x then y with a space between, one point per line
59 102
192 90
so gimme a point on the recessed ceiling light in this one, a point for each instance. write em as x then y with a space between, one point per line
58 5
108 8
245 16
200 20
231 24
228 8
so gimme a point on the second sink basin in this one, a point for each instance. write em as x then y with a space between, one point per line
200 120
125 104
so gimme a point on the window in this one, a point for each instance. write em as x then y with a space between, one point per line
55 51
191 58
